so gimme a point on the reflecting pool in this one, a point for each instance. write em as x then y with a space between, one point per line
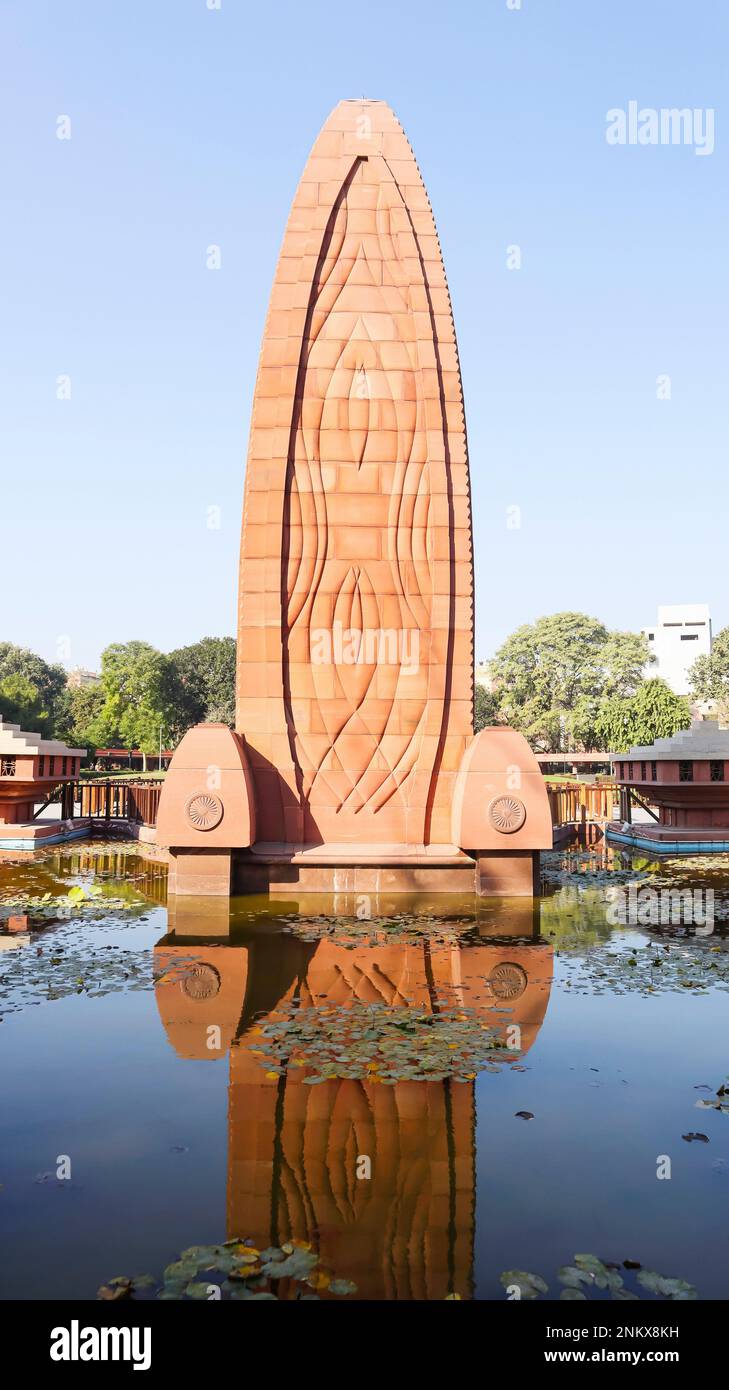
363 1099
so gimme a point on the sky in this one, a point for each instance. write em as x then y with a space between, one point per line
128 367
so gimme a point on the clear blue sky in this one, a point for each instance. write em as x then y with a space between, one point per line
190 127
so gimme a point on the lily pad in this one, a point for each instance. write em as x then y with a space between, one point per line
530 1285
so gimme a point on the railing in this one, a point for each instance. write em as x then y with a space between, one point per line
579 803
131 801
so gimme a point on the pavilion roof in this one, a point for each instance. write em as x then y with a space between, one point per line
704 739
16 742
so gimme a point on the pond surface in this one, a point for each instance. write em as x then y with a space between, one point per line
401 1107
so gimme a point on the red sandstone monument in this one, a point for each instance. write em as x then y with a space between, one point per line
354 765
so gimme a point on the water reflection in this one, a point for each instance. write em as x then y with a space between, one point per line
294 1148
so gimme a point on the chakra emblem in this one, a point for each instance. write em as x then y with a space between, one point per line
507 814
204 811
508 980
201 982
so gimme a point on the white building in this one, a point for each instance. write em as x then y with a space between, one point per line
682 633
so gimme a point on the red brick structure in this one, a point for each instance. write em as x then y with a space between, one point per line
355 627
31 768
686 779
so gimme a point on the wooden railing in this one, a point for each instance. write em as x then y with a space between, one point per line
579 803
105 800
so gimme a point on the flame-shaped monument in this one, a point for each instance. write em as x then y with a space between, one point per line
355 765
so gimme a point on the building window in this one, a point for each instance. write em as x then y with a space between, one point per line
7 767
621 769
685 771
689 636
41 766
654 771
51 766
716 770
651 636
63 768
642 772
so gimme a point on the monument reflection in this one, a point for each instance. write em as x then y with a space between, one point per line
295 1148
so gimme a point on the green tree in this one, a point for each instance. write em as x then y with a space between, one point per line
550 677
48 681
486 710
653 712
203 677
709 675
21 703
137 682
79 715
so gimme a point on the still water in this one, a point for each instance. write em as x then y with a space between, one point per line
412 1105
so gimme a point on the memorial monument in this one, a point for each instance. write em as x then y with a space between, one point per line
354 765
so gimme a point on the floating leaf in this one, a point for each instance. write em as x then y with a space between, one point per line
530 1285
677 1290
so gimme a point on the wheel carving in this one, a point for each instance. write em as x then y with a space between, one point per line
508 980
507 814
204 811
201 982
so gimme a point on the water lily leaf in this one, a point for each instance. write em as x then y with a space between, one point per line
180 1272
199 1291
120 1287
530 1285
295 1266
342 1286
573 1277
675 1289
571 1294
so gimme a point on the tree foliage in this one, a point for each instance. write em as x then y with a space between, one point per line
486 710
78 717
138 688
31 690
550 677
203 676
709 675
653 712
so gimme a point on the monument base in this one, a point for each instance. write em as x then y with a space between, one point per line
276 870
199 873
